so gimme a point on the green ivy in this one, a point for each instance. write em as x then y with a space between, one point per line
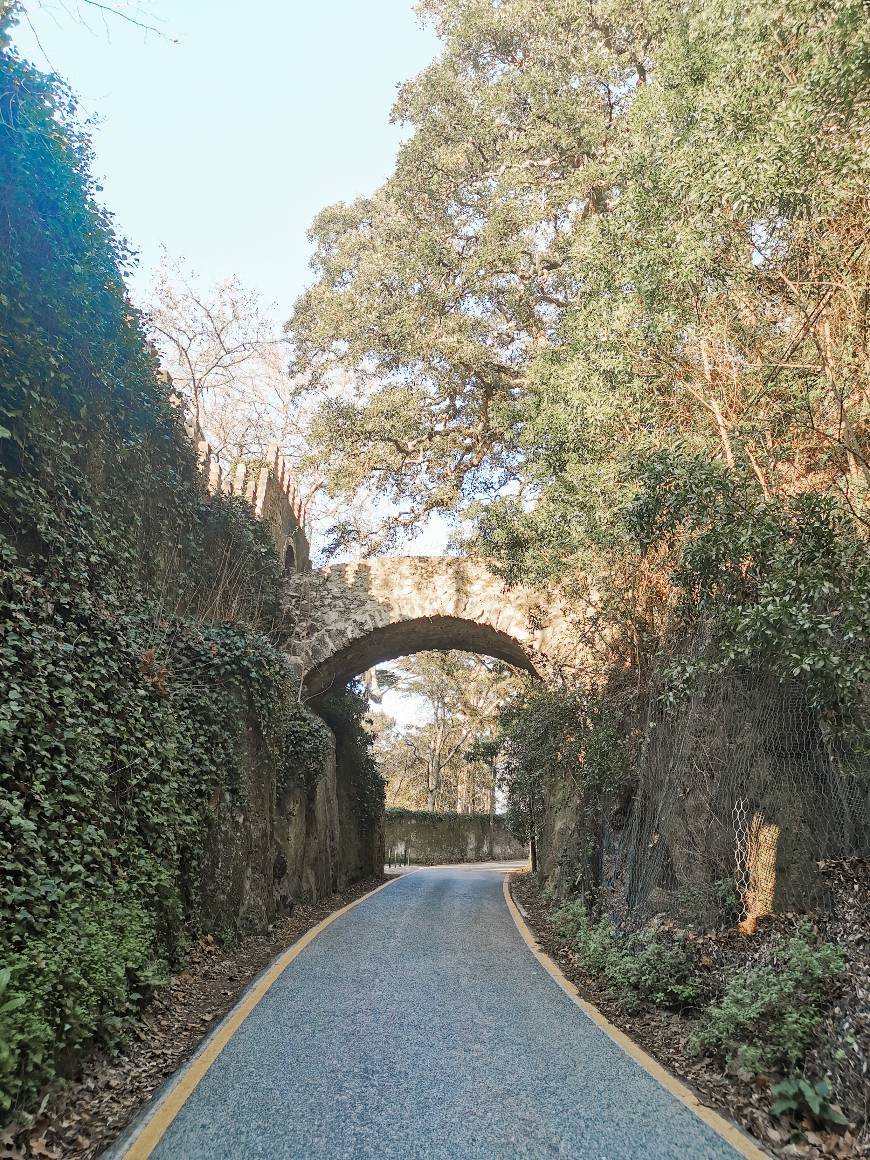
308 741
643 968
399 813
345 713
136 621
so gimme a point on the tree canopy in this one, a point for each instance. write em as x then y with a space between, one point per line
612 301
447 759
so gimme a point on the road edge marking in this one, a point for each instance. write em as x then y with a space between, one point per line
155 1126
730 1132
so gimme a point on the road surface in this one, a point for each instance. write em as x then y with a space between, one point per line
420 1025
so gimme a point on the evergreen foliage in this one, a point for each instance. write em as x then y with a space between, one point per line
136 663
766 1016
345 713
759 1017
609 315
612 305
563 736
644 969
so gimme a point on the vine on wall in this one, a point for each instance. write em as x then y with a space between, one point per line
135 620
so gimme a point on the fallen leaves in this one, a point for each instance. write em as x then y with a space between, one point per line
842 1044
40 1147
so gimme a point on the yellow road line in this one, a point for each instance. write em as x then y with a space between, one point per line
155 1127
729 1132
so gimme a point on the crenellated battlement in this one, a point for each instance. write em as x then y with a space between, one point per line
269 487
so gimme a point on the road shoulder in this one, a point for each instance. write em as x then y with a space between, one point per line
81 1118
143 1136
742 1143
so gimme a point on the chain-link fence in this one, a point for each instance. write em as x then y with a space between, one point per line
742 790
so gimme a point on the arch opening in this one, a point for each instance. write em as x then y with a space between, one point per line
289 559
406 637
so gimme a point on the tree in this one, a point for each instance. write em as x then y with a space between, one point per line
78 11
443 762
578 253
567 737
221 349
439 291
484 751
618 275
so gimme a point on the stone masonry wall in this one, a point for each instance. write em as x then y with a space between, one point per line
269 488
431 839
268 848
350 617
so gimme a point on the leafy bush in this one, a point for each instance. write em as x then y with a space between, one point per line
802 1097
554 736
657 972
571 920
135 613
645 969
75 984
766 1016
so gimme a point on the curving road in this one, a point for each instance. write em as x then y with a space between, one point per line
419 1025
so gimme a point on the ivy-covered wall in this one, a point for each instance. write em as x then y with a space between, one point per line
158 777
431 839
360 787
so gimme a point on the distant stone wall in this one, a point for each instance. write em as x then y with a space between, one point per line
430 839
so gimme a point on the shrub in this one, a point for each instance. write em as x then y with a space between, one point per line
766 1016
644 969
570 920
802 1098
76 982
653 971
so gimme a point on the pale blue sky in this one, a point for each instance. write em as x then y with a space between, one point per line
222 147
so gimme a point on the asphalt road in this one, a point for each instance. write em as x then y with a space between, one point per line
419 1025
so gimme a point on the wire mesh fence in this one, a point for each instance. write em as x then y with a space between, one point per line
742 791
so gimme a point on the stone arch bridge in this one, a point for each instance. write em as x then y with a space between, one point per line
350 617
